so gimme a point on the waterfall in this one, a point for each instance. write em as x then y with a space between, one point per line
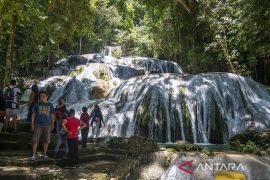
152 98
199 108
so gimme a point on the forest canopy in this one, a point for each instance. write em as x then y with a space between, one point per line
200 35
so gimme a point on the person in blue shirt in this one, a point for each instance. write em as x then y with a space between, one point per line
42 123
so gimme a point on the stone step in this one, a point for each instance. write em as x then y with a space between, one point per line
113 151
25 161
91 158
13 148
94 170
7 145
19 136
11 145
16 152
22 126
30 173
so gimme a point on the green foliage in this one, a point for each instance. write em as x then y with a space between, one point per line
249 147
185 147
116 142
244 137
251 142
200 35
139 146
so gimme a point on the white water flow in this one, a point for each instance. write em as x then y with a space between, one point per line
154 99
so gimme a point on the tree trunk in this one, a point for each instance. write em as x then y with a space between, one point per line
10 50
49 59
80 46
265 70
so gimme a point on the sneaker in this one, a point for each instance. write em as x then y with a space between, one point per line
33 158
45 157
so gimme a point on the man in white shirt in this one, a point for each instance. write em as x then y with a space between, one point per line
12 96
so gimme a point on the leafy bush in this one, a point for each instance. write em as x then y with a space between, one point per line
139 145
243 138
251 141
184 147
250 147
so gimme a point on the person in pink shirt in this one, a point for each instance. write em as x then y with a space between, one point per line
72 125
84 132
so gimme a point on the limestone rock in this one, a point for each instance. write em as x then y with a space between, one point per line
100 89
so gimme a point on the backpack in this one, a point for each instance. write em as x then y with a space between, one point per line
10 94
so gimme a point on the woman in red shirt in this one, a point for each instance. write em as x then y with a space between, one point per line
72 125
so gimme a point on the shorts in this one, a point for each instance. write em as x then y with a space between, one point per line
42 131
12 112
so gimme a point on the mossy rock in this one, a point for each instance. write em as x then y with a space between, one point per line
100 89
185 147
113 143
139 145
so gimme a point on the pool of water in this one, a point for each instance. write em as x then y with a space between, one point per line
211 147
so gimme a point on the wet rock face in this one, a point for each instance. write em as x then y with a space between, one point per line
100 89
126 72
74 91
72 61
50 85
198 108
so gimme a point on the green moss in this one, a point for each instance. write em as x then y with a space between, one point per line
216 126
208 152
116 53
139 145
187 121
143 111
182 90
72 74
80 70
185 147
102 74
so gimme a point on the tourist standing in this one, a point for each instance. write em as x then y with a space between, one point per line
2 110
72 125
42 123
97 118
12 96
84 132
61 113
32 100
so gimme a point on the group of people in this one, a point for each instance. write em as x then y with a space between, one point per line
45 118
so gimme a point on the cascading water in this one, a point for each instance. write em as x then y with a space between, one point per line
154 99
205 108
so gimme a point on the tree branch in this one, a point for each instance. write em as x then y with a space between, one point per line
185 6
